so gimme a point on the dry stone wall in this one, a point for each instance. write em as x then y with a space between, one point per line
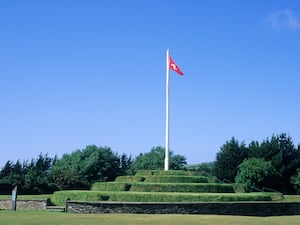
25 204
231 208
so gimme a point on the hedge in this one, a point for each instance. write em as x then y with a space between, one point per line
60 197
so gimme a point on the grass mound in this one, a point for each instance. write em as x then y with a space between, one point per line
164 186
60 197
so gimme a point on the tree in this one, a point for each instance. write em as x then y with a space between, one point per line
202 169
295 181
232 154
36 176
11 175
285 159
5 178
154 160
254 172
125 163
81 168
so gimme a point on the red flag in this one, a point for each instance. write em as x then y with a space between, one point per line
173 66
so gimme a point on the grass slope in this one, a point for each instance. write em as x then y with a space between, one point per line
60 197
55 218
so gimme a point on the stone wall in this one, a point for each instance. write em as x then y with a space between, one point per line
25 204
232 208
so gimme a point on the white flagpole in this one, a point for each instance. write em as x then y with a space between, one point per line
167 114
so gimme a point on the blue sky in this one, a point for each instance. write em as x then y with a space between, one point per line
75 73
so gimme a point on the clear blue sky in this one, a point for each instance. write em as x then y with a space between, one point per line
75 73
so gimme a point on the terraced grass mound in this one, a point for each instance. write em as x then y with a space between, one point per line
164 186
60 197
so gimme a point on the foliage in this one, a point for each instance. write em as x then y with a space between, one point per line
77 170
36 176
295 181
29 177
202 169
154 160
232 153
254 172
278 157
81 168
285 159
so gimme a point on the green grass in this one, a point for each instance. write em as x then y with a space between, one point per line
175 179
292 198
55 218
60 197
27 197
163 172
182 187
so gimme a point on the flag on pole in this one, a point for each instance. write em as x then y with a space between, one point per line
174 67
170 65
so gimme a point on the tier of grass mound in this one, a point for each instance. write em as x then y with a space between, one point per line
60 197
163 179
164 173
181 187
164 187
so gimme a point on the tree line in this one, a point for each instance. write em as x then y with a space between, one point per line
272 165
79 170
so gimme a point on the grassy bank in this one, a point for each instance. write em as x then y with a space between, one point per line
54 218
60 197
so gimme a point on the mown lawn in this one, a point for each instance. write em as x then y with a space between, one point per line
27 197
56 218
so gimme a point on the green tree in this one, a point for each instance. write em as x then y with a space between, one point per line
231 155
202 169
154 160
254 172
295 181
37 177
81 168
5 178
11 175
125 163
285 159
